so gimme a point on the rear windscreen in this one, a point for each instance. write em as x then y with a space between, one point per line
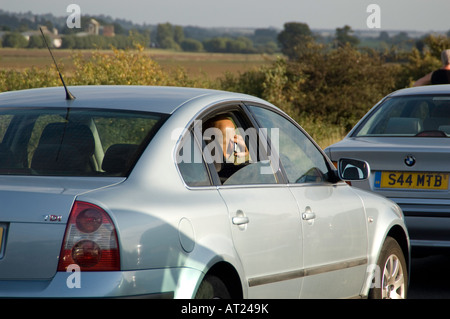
73 142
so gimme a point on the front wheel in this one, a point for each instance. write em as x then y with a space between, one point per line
391 277
212 287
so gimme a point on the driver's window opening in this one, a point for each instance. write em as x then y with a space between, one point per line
235 150
228 139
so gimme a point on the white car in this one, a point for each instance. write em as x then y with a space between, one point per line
165 192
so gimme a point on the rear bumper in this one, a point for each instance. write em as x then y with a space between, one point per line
154 283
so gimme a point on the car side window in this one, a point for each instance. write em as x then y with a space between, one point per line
191 164
301 159
233 147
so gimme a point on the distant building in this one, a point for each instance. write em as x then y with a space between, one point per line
108 31
93 27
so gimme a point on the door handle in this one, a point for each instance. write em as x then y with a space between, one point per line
308 214
240 219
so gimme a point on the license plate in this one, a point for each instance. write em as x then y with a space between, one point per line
412 180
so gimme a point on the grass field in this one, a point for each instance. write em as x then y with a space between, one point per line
203 64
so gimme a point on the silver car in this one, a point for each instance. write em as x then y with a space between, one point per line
405 139
165 192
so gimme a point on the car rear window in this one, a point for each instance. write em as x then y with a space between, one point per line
73 142
422 116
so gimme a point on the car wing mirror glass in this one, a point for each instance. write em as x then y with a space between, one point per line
353 169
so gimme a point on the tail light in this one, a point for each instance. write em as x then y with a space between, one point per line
90 240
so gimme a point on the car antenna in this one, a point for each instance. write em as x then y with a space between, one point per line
69 95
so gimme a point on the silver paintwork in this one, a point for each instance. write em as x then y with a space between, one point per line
427 213
171 235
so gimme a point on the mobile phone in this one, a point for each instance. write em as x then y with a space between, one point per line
235 152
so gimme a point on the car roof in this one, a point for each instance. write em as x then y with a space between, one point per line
423 90
139 98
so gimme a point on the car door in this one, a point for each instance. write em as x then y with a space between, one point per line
263 214
333 216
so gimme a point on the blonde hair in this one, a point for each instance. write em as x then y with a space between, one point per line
445 57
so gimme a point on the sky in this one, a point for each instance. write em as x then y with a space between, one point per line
418 15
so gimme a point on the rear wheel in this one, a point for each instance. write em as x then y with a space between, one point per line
391 281
212 287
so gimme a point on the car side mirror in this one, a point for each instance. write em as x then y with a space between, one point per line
353 169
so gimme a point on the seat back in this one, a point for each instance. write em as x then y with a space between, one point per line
118 158
404 125
64 148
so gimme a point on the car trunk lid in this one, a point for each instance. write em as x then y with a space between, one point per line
398 165
33 215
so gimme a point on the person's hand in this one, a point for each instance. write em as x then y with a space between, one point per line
239 147
237 151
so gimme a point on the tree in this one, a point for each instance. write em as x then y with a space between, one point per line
418 64
384 36
118 29
400 38
436 44
169 36
37 42
265 35
217 44
14 40
164 31
344 36
191 45
294 39
343 83
68 42
178 34
239 45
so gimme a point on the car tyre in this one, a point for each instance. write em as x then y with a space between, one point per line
391 275
212 287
